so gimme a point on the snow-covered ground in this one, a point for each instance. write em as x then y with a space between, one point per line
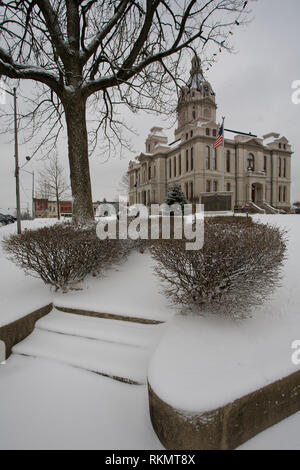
49 405
20 294
206 362
199 364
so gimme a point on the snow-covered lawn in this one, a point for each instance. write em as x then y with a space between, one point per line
20 294
204 363
48 405
200 363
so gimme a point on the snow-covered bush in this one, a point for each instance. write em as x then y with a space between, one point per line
62 254
237 268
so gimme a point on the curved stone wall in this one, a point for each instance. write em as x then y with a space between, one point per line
18 330
227 427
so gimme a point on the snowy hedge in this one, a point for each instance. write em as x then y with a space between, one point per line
237 268
62 254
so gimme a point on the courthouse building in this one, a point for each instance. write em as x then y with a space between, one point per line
257 171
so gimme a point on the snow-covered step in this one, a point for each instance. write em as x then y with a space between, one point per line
115 331
125 362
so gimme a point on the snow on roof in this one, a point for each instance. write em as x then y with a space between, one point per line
158 131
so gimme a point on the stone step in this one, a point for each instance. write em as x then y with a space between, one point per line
115 331
122 362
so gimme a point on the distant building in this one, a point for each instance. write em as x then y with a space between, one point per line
41 207
65 208
257 171
48 208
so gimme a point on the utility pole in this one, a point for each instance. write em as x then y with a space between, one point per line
17 164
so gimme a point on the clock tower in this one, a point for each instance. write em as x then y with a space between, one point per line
197 101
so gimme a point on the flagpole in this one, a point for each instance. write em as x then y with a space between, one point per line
223 158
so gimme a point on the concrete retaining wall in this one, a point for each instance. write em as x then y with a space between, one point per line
18 330
227 427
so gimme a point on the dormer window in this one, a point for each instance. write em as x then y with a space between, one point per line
280 146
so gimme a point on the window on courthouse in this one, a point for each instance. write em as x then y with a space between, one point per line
251 162
207 158
192 158
214 159
187 160
208 186
228 161
279 167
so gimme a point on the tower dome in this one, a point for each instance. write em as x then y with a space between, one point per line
196 79
197 100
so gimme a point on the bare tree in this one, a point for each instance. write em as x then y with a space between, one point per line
52 183
122 52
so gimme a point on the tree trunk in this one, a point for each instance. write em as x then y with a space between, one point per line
57 206
75 112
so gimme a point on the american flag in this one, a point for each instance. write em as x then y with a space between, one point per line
219 140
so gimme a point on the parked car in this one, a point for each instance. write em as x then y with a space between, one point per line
4 220
7 219
11 218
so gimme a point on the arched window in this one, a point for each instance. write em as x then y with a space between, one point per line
191 191
207 158
251 162
228 161
192 158
187 160
279 167
214 159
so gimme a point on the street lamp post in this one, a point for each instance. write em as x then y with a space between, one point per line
14 94
17 164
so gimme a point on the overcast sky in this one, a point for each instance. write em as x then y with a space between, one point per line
253 90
